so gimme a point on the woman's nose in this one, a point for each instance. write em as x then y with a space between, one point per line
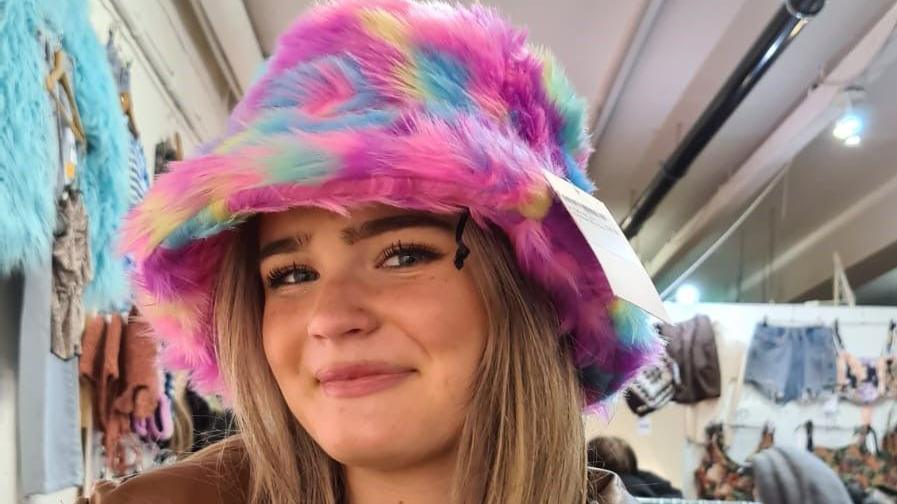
341 309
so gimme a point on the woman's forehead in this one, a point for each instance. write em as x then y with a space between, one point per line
355 224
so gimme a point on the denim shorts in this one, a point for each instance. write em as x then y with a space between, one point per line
792 363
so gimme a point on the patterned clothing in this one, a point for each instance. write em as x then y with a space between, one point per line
71 272
138 180
721 478
859 466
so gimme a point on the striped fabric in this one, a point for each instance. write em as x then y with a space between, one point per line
138 175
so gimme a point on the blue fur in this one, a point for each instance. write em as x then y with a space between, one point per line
27 156
203 225
576 175
633 328
286 120
288 90
443 79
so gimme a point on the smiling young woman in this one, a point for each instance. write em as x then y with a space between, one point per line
404 372
370 267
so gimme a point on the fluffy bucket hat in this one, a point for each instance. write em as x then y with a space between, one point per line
424 106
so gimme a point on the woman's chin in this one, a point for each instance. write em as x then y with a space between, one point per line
373 450
384 438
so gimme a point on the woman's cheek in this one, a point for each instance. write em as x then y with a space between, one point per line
282 332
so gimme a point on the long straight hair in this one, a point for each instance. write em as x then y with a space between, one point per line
522 439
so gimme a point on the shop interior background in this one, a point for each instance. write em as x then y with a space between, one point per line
778 207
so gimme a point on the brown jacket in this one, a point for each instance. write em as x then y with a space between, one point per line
207 482
214 479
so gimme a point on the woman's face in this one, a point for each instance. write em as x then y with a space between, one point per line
372 333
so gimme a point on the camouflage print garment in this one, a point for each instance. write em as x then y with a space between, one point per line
721 478
857 465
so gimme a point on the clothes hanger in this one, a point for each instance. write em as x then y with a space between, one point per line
56 76
127 106
837 334
178 147
123 72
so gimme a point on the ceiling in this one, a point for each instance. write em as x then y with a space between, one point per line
650 67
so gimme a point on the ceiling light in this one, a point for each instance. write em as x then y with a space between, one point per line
848 126
852 141
688 294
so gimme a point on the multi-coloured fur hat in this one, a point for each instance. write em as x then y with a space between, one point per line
423 106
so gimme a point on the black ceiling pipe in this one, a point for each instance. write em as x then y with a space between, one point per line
788 22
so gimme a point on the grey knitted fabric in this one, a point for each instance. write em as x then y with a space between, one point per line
785 475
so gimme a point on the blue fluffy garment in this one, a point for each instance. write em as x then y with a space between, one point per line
28 164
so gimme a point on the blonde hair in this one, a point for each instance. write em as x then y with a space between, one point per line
182 438
522 439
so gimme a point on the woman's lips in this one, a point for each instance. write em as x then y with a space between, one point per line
360 379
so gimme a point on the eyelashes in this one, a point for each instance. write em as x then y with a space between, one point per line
397 256
402 255
289 275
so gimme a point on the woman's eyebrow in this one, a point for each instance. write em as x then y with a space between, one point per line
352 235
382 225
284 246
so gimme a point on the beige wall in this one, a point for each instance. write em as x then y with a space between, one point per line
660 447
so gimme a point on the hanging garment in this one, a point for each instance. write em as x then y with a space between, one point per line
121 71
692 345
50 453
165 153
27 162
120 360
654 386
859 467
856 464
102 174
886 478
72 269
718 476
137 394
138 182
101 348
792 363
887 368
138 174
858 381
864 380
71 273
159 427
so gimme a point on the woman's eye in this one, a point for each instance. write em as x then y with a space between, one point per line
404 256
290 275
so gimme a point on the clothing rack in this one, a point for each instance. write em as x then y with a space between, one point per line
652 500
890 324
824 427
794 322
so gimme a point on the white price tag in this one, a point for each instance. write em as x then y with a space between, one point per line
830 408
643 427
625 272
